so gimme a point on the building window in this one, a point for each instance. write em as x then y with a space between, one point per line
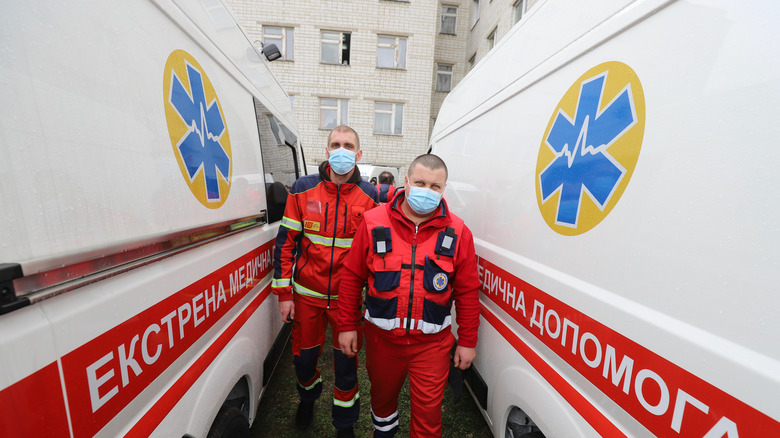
333 112
388 118
282 38
472 61
491 40
443 77
335 47
449 19
474 12
518 9
391 52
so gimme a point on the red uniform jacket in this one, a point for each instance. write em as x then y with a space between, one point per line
316 232
386 192
415 278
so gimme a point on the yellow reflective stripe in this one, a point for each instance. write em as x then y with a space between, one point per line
291 224
310 386
328 241
280 282
308 292
344 243
348 403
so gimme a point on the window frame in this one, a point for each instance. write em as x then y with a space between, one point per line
396 129
399 48
520 6
344 39
445 15
285 37
341 108
445 73
491 39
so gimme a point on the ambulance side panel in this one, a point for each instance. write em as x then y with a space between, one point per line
140 309
661 320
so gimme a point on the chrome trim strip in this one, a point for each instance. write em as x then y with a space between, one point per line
55 276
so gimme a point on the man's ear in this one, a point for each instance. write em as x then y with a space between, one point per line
358 155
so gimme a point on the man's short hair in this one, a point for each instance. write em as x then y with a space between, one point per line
386 177
430 161
344 128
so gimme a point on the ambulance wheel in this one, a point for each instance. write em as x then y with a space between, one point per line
230 423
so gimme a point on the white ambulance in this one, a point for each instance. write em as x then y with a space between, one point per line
138 141
617 162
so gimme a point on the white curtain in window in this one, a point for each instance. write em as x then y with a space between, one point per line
383 118
331 47
449 19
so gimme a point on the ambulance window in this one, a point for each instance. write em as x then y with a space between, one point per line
280 169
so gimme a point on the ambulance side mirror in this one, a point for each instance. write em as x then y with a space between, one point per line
270 51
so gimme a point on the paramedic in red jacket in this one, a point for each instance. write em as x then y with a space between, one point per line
322 213
386 187
418 258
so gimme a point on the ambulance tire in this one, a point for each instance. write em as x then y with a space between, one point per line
230 423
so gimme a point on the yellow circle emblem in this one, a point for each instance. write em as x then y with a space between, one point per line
590 148
197 129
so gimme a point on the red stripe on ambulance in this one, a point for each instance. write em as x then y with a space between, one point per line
157 413
44 415
663 397
107 373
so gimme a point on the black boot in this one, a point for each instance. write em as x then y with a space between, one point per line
345 433
305 415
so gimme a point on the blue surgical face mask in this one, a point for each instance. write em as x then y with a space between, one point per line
341 161
423 200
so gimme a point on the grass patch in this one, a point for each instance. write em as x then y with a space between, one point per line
276 413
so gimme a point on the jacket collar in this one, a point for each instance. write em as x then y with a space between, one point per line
331 186
440 218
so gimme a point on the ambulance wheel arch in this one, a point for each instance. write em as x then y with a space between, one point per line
528 388
214 397
230 423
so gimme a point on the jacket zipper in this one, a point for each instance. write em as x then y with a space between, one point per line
411 282
333 243
345 218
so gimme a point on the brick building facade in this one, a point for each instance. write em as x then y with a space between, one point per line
383 67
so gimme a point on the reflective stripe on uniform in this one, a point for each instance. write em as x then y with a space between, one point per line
310 293
430 328
280 282
385 424
383 323
346 403
319 380
328 241
291 224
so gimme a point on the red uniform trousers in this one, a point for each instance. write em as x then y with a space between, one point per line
308 338
426 360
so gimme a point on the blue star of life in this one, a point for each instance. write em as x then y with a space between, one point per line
200 147
582 163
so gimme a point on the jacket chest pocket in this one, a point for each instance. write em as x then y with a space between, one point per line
437 274
354 216
387 273
314 218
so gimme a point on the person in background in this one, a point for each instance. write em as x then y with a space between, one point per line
417 257
323 212
386 186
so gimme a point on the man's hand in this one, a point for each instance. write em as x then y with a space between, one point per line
287 309
463 356
349 343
